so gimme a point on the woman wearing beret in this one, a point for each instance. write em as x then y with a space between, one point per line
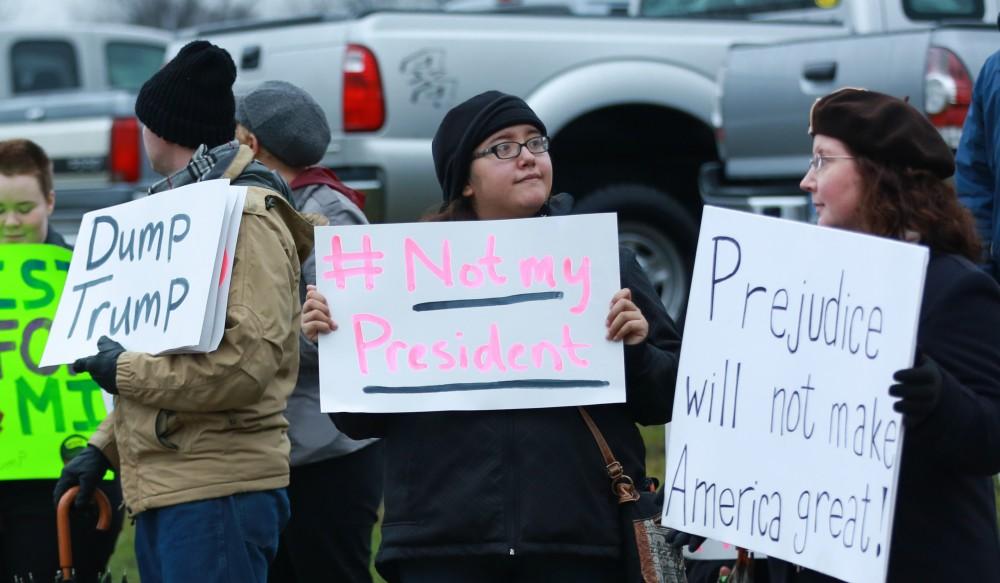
515 495
879 167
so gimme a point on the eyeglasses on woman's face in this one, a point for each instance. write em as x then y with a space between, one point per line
818 160
507 150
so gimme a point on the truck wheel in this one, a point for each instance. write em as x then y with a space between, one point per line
662 233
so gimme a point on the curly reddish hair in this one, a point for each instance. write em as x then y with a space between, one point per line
896 202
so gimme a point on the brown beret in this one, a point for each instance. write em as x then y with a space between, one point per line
882 128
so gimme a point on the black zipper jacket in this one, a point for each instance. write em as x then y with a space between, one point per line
527 481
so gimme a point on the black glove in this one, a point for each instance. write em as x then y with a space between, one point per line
678 539
919 390
103 366
86 470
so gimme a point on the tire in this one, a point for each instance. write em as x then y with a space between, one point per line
660 230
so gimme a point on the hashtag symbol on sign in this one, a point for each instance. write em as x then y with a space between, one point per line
337 258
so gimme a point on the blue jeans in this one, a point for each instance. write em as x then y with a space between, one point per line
221 540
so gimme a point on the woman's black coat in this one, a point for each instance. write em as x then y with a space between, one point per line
527 481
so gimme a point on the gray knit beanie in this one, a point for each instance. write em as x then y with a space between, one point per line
287 121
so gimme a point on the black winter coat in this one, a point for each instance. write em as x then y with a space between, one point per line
946 522
528 481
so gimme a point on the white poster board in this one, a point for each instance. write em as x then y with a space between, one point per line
152 274
784 439
469 315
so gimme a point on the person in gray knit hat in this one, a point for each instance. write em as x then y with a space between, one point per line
200 440
335 485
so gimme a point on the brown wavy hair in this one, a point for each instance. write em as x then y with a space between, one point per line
24 157
896 202
457 209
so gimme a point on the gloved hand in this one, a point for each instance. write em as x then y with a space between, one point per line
678 539
86 470
103 366
919 390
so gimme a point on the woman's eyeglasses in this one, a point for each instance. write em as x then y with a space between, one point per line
507 150
817 161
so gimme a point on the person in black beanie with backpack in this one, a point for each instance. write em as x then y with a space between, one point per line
200 440
514 495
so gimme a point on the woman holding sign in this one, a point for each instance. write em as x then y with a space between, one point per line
27 513
514 495
880 167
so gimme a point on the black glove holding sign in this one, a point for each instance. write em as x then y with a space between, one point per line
103 366
919 390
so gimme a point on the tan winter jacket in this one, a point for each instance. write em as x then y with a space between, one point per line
190 427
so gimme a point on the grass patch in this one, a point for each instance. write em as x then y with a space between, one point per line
123 560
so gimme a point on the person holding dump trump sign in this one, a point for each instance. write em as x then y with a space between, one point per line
514 495
200 440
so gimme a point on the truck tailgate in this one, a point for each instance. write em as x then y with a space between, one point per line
310 55
767 92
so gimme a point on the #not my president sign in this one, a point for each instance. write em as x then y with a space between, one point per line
153 274
46 413
469 315
784 439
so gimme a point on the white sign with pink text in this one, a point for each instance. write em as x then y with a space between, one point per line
469 315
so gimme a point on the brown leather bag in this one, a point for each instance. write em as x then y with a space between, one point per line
647 556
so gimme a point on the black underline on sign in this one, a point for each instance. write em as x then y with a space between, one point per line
480 302
518 384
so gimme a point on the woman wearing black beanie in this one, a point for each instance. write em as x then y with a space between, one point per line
514 495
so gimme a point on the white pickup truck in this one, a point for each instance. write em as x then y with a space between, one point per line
72 90
628 100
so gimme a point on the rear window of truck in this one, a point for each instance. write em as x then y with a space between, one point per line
943 9
131 64
43 65
739 9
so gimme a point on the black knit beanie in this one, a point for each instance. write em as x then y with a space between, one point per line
190 101
468 124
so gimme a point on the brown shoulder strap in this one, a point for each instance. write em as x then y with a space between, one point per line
621 485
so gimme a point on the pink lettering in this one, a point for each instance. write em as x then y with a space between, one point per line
582 276
361 346
470 276
390 354
415 356
337 258
571 347
490 261
488 355
412 249
536 355
515 352
541 269
448 360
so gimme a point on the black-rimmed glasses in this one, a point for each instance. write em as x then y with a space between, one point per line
507 150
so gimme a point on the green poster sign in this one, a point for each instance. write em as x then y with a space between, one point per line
45 413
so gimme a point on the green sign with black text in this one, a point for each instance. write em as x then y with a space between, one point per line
46 414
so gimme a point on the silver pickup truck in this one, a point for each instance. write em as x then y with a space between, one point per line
632 102
72 91
628 99
928 50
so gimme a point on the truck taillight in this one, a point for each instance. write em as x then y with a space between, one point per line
124 159
947 93
364 109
